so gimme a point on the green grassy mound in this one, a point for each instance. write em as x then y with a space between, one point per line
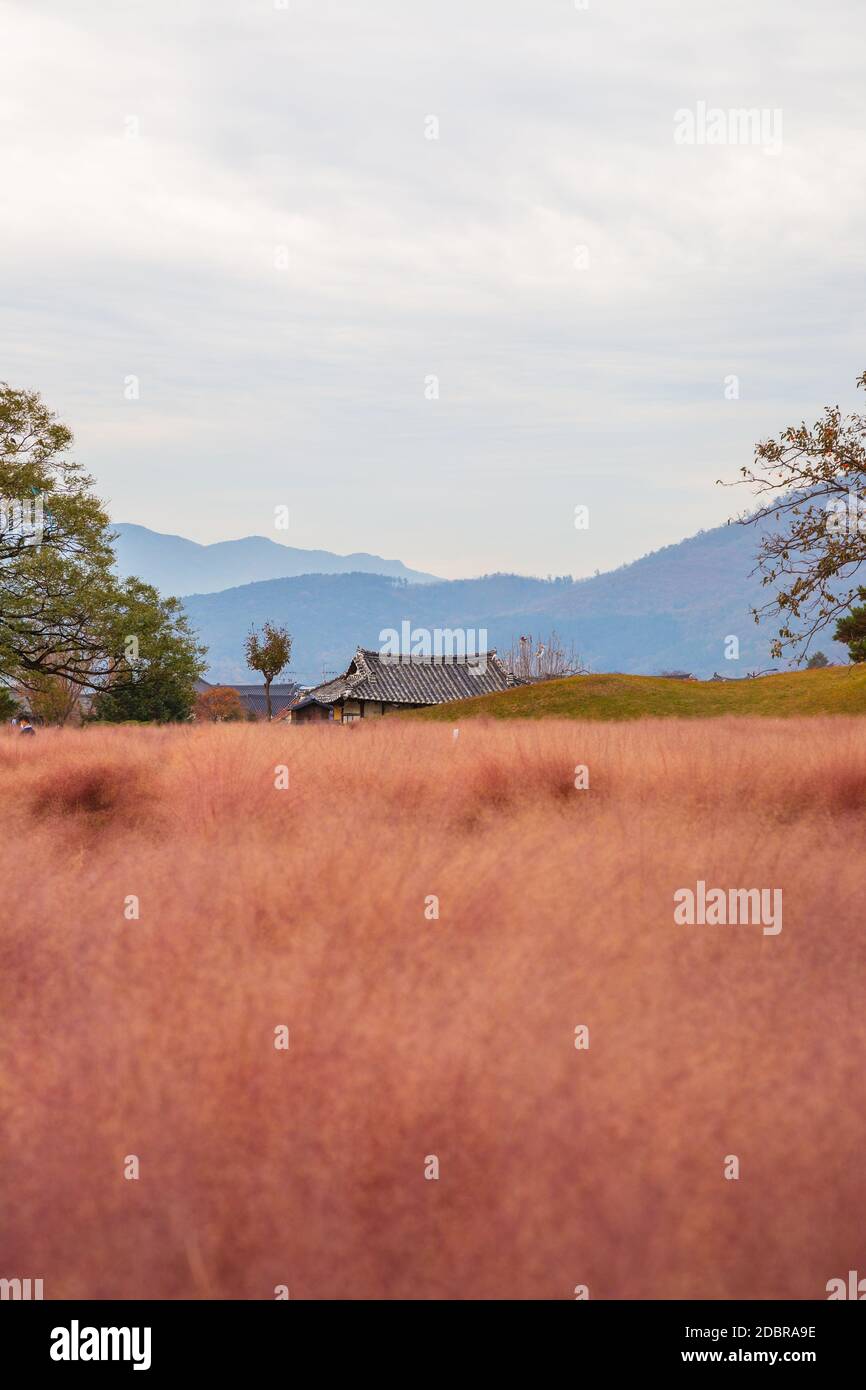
833 690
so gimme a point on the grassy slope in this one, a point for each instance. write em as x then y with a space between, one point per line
834 690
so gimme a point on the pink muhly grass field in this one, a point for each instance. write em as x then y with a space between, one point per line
412 1037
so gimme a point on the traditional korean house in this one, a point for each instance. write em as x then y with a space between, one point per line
375 683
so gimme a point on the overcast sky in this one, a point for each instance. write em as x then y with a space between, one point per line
240 205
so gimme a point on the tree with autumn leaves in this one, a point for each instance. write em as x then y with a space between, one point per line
268 652
811 482
221 705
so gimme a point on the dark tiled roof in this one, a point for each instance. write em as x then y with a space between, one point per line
253 696
412 680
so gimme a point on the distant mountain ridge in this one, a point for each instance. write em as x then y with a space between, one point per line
675 608
180 566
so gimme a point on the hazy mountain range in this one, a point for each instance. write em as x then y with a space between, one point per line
674 608
179 566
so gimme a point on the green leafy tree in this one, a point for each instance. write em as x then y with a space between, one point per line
154 657
852 630
811 483
66 621
817 662
268 652
8 704
56 555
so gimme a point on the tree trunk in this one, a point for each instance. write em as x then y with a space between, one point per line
268 697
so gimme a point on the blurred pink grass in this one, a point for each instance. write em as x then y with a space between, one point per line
410 1037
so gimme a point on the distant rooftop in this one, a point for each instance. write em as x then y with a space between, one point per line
253 696
412 680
